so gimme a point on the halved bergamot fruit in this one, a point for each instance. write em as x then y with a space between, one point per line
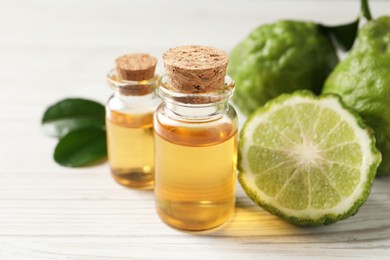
307 159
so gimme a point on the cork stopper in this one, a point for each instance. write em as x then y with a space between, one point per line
135 67
195 69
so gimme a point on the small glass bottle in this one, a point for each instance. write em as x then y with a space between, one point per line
195 140
129 120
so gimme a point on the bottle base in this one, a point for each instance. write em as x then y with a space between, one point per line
134 178
195 216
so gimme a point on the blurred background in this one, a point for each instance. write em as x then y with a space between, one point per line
77 41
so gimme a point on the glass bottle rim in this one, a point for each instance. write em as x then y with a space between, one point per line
195 99
117 84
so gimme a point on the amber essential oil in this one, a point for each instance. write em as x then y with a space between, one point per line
195 185
131 149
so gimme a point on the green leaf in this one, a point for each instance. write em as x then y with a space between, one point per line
81 147
71 114
365 9
344 35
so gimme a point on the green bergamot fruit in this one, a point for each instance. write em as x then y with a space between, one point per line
363 82
279 58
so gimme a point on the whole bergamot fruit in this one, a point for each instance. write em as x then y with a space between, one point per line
363 82
279 58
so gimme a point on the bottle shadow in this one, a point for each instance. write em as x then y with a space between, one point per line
252 224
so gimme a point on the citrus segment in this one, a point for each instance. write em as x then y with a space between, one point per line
271 181
295 193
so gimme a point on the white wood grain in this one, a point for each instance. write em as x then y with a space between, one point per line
55 49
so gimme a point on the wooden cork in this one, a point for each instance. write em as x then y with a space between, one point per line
195 69
135 67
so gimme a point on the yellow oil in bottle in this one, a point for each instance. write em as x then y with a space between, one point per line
131 149
195 175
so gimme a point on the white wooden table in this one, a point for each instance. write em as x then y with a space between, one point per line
50 50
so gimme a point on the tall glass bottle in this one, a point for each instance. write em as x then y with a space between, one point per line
195 141
129 120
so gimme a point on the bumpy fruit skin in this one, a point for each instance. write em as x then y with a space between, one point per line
279 58
363 82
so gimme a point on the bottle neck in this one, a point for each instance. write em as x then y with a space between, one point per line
132 91
134 100
135 97
196 106
191 112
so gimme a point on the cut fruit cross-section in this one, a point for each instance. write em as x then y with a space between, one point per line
307 159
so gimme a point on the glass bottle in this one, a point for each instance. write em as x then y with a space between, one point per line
129 123
195 158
